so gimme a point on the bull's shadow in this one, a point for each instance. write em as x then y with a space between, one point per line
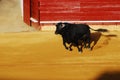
109 76
94 38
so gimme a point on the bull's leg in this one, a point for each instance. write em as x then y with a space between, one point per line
79 46
64 43
88 41
70 47
85 44
79 49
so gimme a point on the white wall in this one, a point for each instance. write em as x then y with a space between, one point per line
21 3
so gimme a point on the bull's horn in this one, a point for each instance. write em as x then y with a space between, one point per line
63 25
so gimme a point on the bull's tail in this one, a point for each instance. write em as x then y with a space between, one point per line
100 30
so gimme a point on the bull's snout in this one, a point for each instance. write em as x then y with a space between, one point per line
56 32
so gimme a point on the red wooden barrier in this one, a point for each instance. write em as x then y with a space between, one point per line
79 10
75 10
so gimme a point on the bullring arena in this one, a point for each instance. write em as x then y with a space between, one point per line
28 54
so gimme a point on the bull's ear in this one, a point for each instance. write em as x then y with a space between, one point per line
54 24
62 25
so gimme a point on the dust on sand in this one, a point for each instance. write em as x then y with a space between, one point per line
11 17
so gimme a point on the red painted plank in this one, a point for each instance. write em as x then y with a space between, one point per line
26 14
92 13
100 9
77 17
56 10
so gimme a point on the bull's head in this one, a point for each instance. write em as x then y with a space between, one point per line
59 27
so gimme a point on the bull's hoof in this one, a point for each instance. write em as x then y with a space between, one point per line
80 52
85 46
90 49
69 49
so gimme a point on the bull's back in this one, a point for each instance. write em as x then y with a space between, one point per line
81 28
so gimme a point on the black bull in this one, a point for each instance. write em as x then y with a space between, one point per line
75 34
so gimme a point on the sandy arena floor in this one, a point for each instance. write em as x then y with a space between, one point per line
41 56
